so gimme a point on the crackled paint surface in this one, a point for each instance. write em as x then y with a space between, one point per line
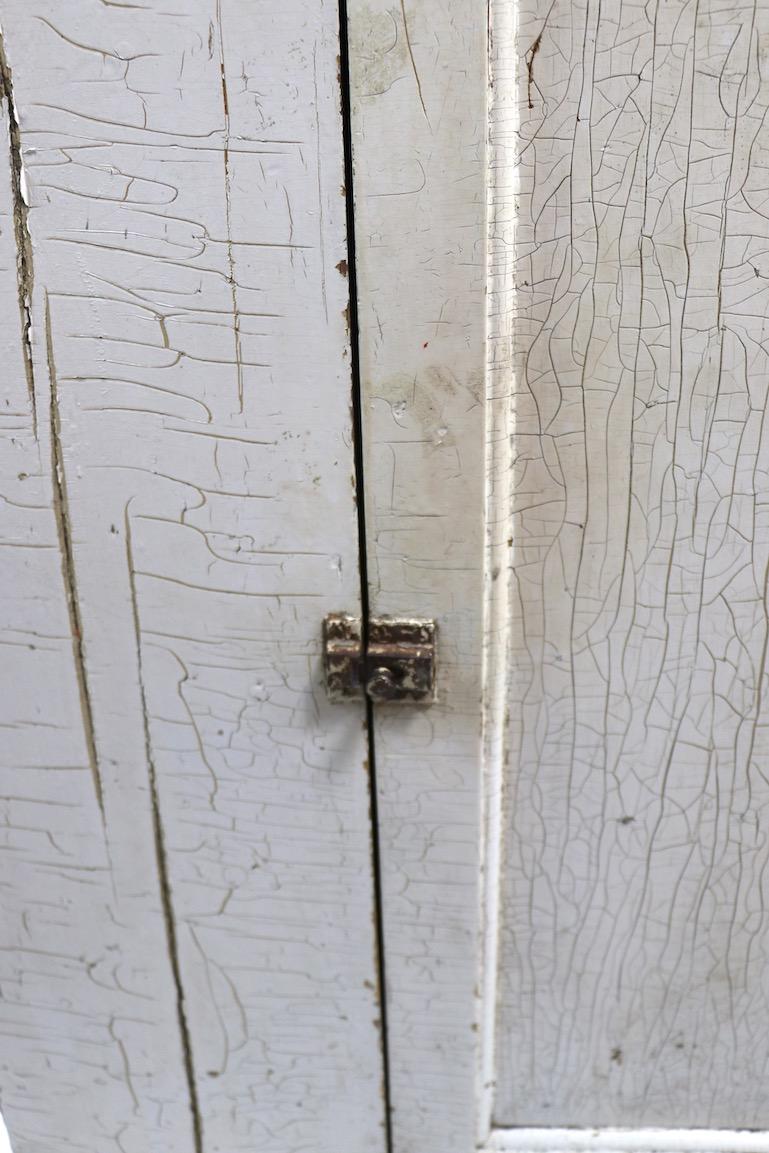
635 944
187 960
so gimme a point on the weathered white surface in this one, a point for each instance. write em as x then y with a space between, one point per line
633 972
187 960
501 185
627 1141
419 128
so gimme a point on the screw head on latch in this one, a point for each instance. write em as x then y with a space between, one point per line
381 685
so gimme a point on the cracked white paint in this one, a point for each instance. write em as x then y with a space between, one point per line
187 963
187 960
635 940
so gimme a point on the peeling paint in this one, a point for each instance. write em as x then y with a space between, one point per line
24 267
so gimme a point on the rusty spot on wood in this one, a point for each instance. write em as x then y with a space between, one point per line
342 267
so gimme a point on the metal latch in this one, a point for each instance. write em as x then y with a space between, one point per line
397 665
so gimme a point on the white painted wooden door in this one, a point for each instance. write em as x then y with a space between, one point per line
557 254
187 955
574 840
418 96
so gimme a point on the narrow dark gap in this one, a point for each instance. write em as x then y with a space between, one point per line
360 496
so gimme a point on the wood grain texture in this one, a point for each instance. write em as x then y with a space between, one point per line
633 971
419 130
187 963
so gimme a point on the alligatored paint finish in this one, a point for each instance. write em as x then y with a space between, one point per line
635 937
187 959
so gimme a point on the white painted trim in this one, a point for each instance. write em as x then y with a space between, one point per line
5 1141
498 434
627 1141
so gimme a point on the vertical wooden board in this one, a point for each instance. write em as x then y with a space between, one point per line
89 1041
184 167
419 127
633 970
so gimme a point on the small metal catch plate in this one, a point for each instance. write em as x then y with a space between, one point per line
397 665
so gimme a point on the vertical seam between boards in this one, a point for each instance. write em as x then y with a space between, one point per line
360 501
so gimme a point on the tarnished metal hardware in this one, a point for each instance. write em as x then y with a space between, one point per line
343 656
397 665
400 659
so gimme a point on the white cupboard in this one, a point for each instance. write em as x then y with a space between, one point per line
438 310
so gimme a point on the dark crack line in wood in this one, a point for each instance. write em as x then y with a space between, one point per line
360 500
69 576
161 854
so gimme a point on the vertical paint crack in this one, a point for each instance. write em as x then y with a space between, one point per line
64 532
166 896
20 228
410 50
231 273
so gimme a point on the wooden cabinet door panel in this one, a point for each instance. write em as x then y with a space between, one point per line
188 958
